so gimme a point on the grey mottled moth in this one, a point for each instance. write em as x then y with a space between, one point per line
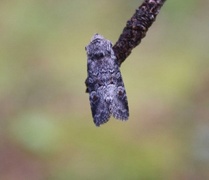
104 83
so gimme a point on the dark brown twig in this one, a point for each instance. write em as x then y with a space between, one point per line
136 28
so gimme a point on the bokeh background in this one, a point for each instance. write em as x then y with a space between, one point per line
46 127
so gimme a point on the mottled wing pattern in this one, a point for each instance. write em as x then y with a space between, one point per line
104 83
100 109
120 104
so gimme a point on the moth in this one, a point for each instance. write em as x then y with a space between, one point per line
107 94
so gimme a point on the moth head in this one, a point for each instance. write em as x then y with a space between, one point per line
99 47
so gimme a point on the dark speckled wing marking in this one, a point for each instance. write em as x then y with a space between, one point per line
104 83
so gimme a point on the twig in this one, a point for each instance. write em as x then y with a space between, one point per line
136 28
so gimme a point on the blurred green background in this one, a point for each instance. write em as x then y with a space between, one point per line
46 127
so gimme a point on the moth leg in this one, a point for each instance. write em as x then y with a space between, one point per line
87 84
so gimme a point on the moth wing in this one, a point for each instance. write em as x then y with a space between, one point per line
99 108
119 105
